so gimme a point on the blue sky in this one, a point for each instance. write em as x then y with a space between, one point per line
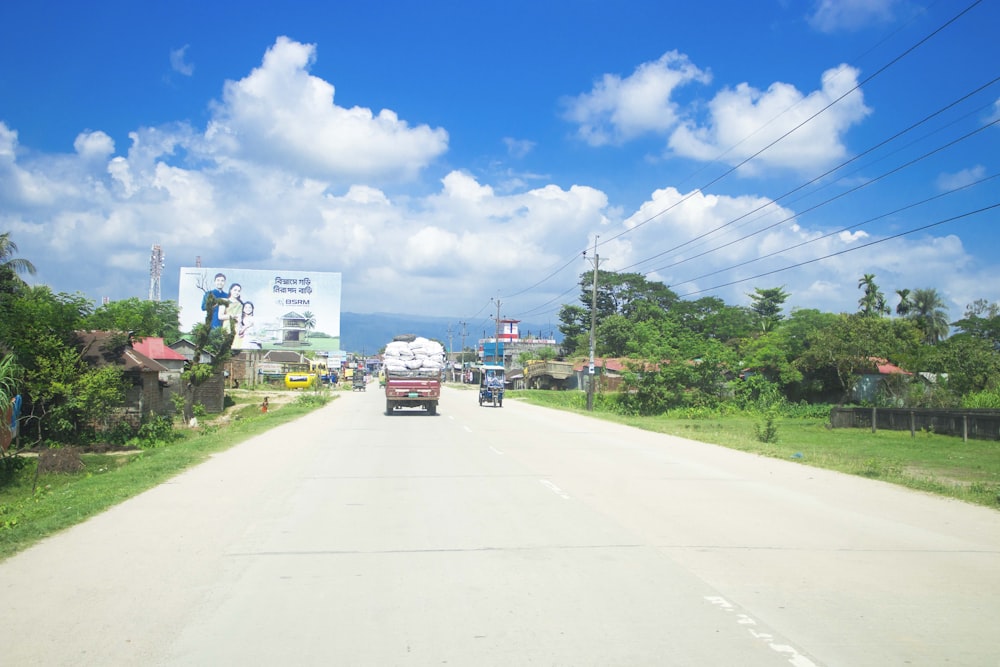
443 154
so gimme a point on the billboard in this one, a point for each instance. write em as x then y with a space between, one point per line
297 310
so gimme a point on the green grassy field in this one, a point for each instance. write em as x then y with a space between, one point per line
943 465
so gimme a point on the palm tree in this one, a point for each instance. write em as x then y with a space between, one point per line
310 322
872 304
10 266
905 304
930 314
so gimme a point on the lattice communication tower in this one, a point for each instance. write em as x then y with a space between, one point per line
155 271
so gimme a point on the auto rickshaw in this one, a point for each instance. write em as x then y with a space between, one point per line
491 385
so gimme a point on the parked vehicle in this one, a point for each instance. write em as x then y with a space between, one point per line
548 374
491 385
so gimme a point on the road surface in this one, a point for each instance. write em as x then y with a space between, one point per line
507 536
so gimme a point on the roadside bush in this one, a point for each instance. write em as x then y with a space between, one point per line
9 467
312 399
757 394
155 432
988 398
767 431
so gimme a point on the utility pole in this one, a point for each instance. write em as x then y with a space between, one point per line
463 349
496 335
593 324
451 354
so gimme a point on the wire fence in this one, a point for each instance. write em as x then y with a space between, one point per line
976 424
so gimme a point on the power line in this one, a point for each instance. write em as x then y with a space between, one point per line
845 251
784 136
803 123
839 196
844 229
827 173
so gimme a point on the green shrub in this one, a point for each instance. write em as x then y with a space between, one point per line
312 399
9 467
767 432
988 398
155 432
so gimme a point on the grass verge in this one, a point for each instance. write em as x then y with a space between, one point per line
938 464
34 506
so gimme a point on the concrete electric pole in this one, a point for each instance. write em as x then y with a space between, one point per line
596 261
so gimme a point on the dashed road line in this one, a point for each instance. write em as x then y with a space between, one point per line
794 657
554 489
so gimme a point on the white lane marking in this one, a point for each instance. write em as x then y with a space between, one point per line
554 489
469 430
496 451
794 657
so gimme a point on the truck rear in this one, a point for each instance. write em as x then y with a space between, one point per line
413 367
412 389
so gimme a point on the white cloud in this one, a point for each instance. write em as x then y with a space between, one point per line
518 148
716 266
849 15
178 63
996 112
948 182
94 145
281 115
618 109
744 120
250 191
8 142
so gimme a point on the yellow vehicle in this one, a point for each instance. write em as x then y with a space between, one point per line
300 380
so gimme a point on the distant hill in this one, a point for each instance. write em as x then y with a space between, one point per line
367 333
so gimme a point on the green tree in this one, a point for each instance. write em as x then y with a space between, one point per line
39 327
929 313
213 343
873 303
574 325
143 318
688 378
982 308
774 356
12 267
971 363
983 324
767 305
9 376
624 294
711 318
904 305
847 346
95 395
621 293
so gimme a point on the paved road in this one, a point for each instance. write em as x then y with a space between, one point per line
507 536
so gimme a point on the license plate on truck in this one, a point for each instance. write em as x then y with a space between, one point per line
413 394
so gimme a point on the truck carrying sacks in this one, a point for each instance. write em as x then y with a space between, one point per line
413 353
413 367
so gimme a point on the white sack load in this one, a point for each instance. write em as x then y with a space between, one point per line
398 349
416 354
394 365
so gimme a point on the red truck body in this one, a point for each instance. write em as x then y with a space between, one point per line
412 389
